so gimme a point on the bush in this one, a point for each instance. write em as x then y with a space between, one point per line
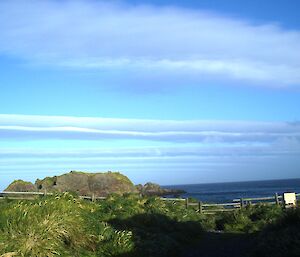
282 238
250 219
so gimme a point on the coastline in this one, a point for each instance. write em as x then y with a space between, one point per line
226 192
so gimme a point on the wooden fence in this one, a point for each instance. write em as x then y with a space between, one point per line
212 208
33 195
203 208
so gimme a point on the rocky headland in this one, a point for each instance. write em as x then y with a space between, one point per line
84 183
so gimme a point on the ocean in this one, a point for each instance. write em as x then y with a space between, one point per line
226 192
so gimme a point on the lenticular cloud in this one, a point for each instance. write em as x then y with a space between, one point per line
26 127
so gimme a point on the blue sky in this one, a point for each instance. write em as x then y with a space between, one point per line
167 91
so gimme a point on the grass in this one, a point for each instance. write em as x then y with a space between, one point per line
64 225
131 226
49 227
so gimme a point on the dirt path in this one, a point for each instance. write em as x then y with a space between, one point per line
214 244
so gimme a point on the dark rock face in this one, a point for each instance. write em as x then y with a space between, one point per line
100 184
21 186
152 189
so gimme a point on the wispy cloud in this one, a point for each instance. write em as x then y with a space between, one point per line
26 127
146 149
145 39
151 152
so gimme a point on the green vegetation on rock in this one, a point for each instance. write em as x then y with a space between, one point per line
84 183
21 186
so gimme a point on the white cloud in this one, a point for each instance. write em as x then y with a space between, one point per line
148 39
151 151
148 150
26 127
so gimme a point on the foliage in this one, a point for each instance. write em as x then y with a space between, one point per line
65 225
133 226
250 219
43 227
282 238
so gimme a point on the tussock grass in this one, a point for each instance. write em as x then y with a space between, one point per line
64 225
131 226
49 227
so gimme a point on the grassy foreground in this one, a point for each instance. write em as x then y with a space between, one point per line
129 226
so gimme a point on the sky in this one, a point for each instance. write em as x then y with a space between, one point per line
173 92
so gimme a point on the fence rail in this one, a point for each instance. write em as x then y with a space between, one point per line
204 208
24 193
173 199
211 208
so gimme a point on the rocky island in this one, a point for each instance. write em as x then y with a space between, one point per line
85 183
150 189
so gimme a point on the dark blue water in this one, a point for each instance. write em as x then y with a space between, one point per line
226 192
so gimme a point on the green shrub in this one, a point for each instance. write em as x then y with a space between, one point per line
250 219
282 238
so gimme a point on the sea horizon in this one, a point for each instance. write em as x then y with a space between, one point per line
227 191
229 182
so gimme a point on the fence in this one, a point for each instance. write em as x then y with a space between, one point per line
212 208
203 208
33 195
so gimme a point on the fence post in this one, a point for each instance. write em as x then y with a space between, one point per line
276 199
200 207
186 203
45 192
242 202
93 197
